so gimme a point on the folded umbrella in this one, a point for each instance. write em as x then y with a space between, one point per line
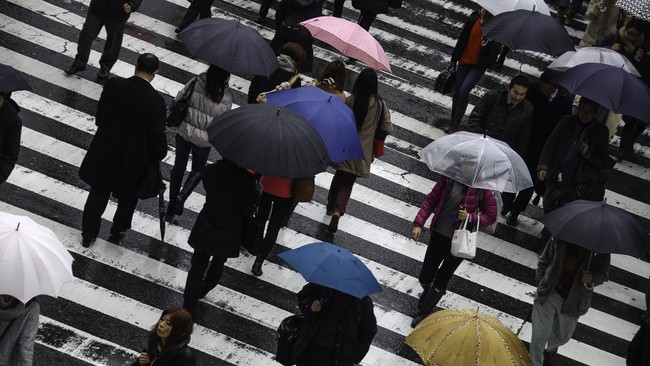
502 6
332 118
350 39
12 80
477 161
610 86
599 55
32 259
599 227
331 266
230 45
270 140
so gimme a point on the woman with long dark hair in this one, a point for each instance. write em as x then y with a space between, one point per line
210 97
371 114
167 341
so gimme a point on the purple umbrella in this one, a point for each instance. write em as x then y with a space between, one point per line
610 86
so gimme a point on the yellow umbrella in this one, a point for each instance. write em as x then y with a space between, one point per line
466 337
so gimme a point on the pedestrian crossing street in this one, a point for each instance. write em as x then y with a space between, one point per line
119 291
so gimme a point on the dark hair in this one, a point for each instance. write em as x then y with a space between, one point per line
296 52
336 71
519 80
588 101
547 76
216 80
181 323
147 62
364 87
636 24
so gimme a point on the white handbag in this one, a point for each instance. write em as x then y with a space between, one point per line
463 244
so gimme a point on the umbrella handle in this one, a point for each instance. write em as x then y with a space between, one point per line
591 285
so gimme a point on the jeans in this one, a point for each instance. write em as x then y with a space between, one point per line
183 150
467 76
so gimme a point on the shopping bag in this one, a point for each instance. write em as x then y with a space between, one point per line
463 244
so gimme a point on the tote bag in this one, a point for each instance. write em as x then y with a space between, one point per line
463 244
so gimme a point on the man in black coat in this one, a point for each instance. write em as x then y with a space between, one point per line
130 137
10 129
198 8
112 15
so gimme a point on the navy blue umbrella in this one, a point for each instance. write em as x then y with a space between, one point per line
599 227
610 86
230 45
331 266
11 80
332 118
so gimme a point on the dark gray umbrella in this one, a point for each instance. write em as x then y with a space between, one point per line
11 80
610 86
230 45
270 140
599 227
528 30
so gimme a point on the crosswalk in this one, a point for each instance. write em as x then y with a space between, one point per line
119 291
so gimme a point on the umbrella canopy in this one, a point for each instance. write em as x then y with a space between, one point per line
466 337
477 161
350 39
331 266
11 80
528 30
637 8
270 140
230 45
610 86
599 55
32 260
599 227
502 6
332 118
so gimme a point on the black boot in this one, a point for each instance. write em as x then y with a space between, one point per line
454 106
191 182
457 116
174 189
257 266
430 302
426 287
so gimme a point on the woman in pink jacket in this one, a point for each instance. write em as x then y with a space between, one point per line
450 202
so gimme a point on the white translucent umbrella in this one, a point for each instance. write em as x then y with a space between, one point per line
501 6
598 55
477 161
32 260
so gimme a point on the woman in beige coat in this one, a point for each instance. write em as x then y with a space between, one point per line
371 113
602 16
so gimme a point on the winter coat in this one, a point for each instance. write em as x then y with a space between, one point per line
549 270
512 127
371 6
10 129
130 136
230 194
261 84
179 355
113 10
20 321
378 116
201 111
435 200
600 23
489 49
345 337
561 155
638 351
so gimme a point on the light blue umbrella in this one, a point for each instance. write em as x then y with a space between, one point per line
331 266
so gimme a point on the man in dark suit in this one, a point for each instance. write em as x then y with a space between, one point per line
111 14
10 129
130 137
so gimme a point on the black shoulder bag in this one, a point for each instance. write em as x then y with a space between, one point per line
178 108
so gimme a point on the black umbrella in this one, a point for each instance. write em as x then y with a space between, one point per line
161 209
12 80
270 140
230 45
528 30
599 227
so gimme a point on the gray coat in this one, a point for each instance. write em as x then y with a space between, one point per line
202 110
20 321
549 269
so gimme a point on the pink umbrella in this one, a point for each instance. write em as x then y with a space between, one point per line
350 39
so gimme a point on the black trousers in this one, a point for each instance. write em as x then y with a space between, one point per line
203 276
96 205
91 28
630 132
198 8
277 211
338 8
439 252
264 7
366 19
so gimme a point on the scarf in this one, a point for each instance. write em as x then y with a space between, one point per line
287 63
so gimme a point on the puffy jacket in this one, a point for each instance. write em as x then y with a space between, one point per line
202 110
436 198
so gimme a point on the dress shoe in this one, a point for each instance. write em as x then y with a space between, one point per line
178 30
259 19
257 267
86 242
115 238
513 219
103 74
416 321
74 68
334 223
